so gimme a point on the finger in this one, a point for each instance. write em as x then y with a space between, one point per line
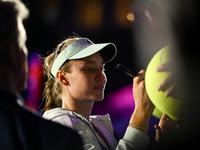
158 133
141 74
175 91
156 126
167 83
170 91
139 77
164 117
163 67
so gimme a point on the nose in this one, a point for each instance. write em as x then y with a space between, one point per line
101 76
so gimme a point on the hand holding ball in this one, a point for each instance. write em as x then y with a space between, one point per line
168 105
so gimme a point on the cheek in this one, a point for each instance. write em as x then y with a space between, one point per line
80 82
83 82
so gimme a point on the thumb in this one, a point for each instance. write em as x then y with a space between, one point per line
158 133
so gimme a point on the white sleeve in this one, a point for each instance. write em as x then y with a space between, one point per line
134 139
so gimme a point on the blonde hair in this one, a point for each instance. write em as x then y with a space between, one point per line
53 89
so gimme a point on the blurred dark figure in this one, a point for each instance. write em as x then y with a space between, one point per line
175 23
20 129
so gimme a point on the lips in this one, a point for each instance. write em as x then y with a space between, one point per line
99 87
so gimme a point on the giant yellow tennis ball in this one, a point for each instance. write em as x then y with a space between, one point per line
168 105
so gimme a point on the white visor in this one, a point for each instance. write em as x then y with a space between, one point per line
82 48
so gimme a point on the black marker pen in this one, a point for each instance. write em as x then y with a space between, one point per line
126 70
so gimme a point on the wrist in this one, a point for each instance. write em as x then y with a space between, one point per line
137 127
142 113
140 121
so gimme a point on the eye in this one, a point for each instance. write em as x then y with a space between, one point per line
89 69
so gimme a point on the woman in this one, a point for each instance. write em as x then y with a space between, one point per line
76 79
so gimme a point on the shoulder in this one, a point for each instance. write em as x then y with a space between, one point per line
62 137
50 135
55 112
57 135
63 116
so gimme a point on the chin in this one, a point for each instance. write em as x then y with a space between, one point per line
99 99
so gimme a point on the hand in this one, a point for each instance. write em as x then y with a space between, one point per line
168 132
142 101
172 83
168 83
143 105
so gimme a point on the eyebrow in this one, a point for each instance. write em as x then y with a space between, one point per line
90 62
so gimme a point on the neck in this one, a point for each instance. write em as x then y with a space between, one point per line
81 107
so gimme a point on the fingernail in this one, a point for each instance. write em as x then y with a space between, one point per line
159 88
166 95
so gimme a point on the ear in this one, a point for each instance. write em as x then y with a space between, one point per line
62 78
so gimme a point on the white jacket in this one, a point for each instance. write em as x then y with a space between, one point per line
133 139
